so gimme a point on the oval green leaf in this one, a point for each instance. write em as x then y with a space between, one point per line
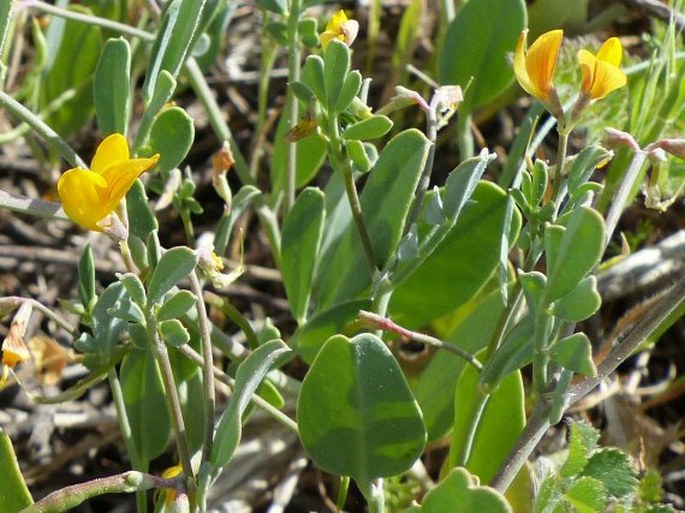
111 87
369 128
356 414
171 136
173 266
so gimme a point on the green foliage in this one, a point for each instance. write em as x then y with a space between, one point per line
302 232
86 278
250 374
111 87
146 405
14 494
171 136
476 45
174 265
460 491
376 429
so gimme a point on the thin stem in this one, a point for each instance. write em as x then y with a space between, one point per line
464 135
477 414
207 368
89 19
173 401
386 324
541 342
44 310
293 105
71 496
342 165
424 181
624 189
216 119
224 378
561 159
39 126
342 492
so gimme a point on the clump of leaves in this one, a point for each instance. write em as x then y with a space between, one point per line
597 479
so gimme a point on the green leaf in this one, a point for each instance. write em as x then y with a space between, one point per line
73 52
584 165
179 21
461 264
515 352
173 332
533 285
275 6
580 303
86 278
575 254
370 128
173 266
301 239
575 353
376 428
279 31
111 87
134 287
482 35
612 467
582 443
336 68
171 136
313 76
349 90
146 404
141 219
385 203
107 329
459 491
500 426
587 495
176 305
250 374
357 154
128 311
307 28
14 494
310 337
462 181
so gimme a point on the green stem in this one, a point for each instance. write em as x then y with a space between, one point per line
207 368
541 346
71 496
342 165
477 414
293 105
561 160
464 135
49 109
424 181
39 126
88 19
623 192
342 493
224 378
173 401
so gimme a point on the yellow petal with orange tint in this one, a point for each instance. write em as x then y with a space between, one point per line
541 60
611 52
520 66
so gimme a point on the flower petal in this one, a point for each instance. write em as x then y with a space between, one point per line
607 78
121 176
611 52
587 68
327 37
112 149
541 60
83 195
520 65
336 21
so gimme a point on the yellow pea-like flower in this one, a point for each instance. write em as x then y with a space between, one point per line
601 72
89 195
341 28
534 69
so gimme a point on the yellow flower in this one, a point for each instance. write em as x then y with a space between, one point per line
88 196
534 69
14 349
341 28
601 73
170 473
